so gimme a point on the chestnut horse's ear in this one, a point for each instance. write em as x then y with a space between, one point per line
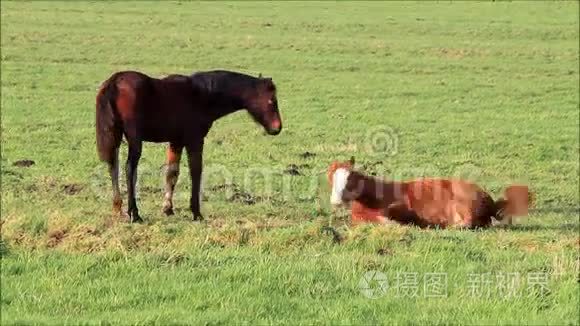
351 160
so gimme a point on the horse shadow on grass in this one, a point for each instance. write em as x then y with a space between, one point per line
539 227
553 227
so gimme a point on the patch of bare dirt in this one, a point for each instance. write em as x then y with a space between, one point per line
24 163
296 169
72 188
237 194
224 186
243 197
460 53
55 237
151 190
384 252
307 155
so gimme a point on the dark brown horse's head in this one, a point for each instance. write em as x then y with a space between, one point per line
262 105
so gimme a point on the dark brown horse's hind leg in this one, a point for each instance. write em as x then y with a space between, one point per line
173 158
114 173
132 163
195 157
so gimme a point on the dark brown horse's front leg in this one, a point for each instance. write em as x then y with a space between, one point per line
195 158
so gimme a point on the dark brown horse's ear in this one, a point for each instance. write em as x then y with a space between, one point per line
260 75
351 160
268 84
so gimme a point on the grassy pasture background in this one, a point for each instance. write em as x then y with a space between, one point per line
485 90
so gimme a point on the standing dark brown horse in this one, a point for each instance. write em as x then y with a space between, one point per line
179 110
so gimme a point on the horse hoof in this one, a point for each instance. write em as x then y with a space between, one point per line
198 218
168 211
135 219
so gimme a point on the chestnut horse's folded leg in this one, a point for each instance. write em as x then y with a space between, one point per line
195 158
132 163
400 213
173 158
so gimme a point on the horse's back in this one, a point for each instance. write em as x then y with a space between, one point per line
133 79
157 109
145 94
446 201
175 78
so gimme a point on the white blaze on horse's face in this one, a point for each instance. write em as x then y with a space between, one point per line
338 184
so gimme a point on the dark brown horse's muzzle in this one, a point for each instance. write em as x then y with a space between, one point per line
274 132
274 128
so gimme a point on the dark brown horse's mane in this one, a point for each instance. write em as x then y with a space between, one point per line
226 82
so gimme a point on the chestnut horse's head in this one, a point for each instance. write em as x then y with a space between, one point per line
347 165
337 175
262 105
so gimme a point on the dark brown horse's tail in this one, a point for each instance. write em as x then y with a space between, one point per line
109 132
516 202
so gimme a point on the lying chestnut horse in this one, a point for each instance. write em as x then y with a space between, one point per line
178 110
423 202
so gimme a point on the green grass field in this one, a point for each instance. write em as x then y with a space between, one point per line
484 90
